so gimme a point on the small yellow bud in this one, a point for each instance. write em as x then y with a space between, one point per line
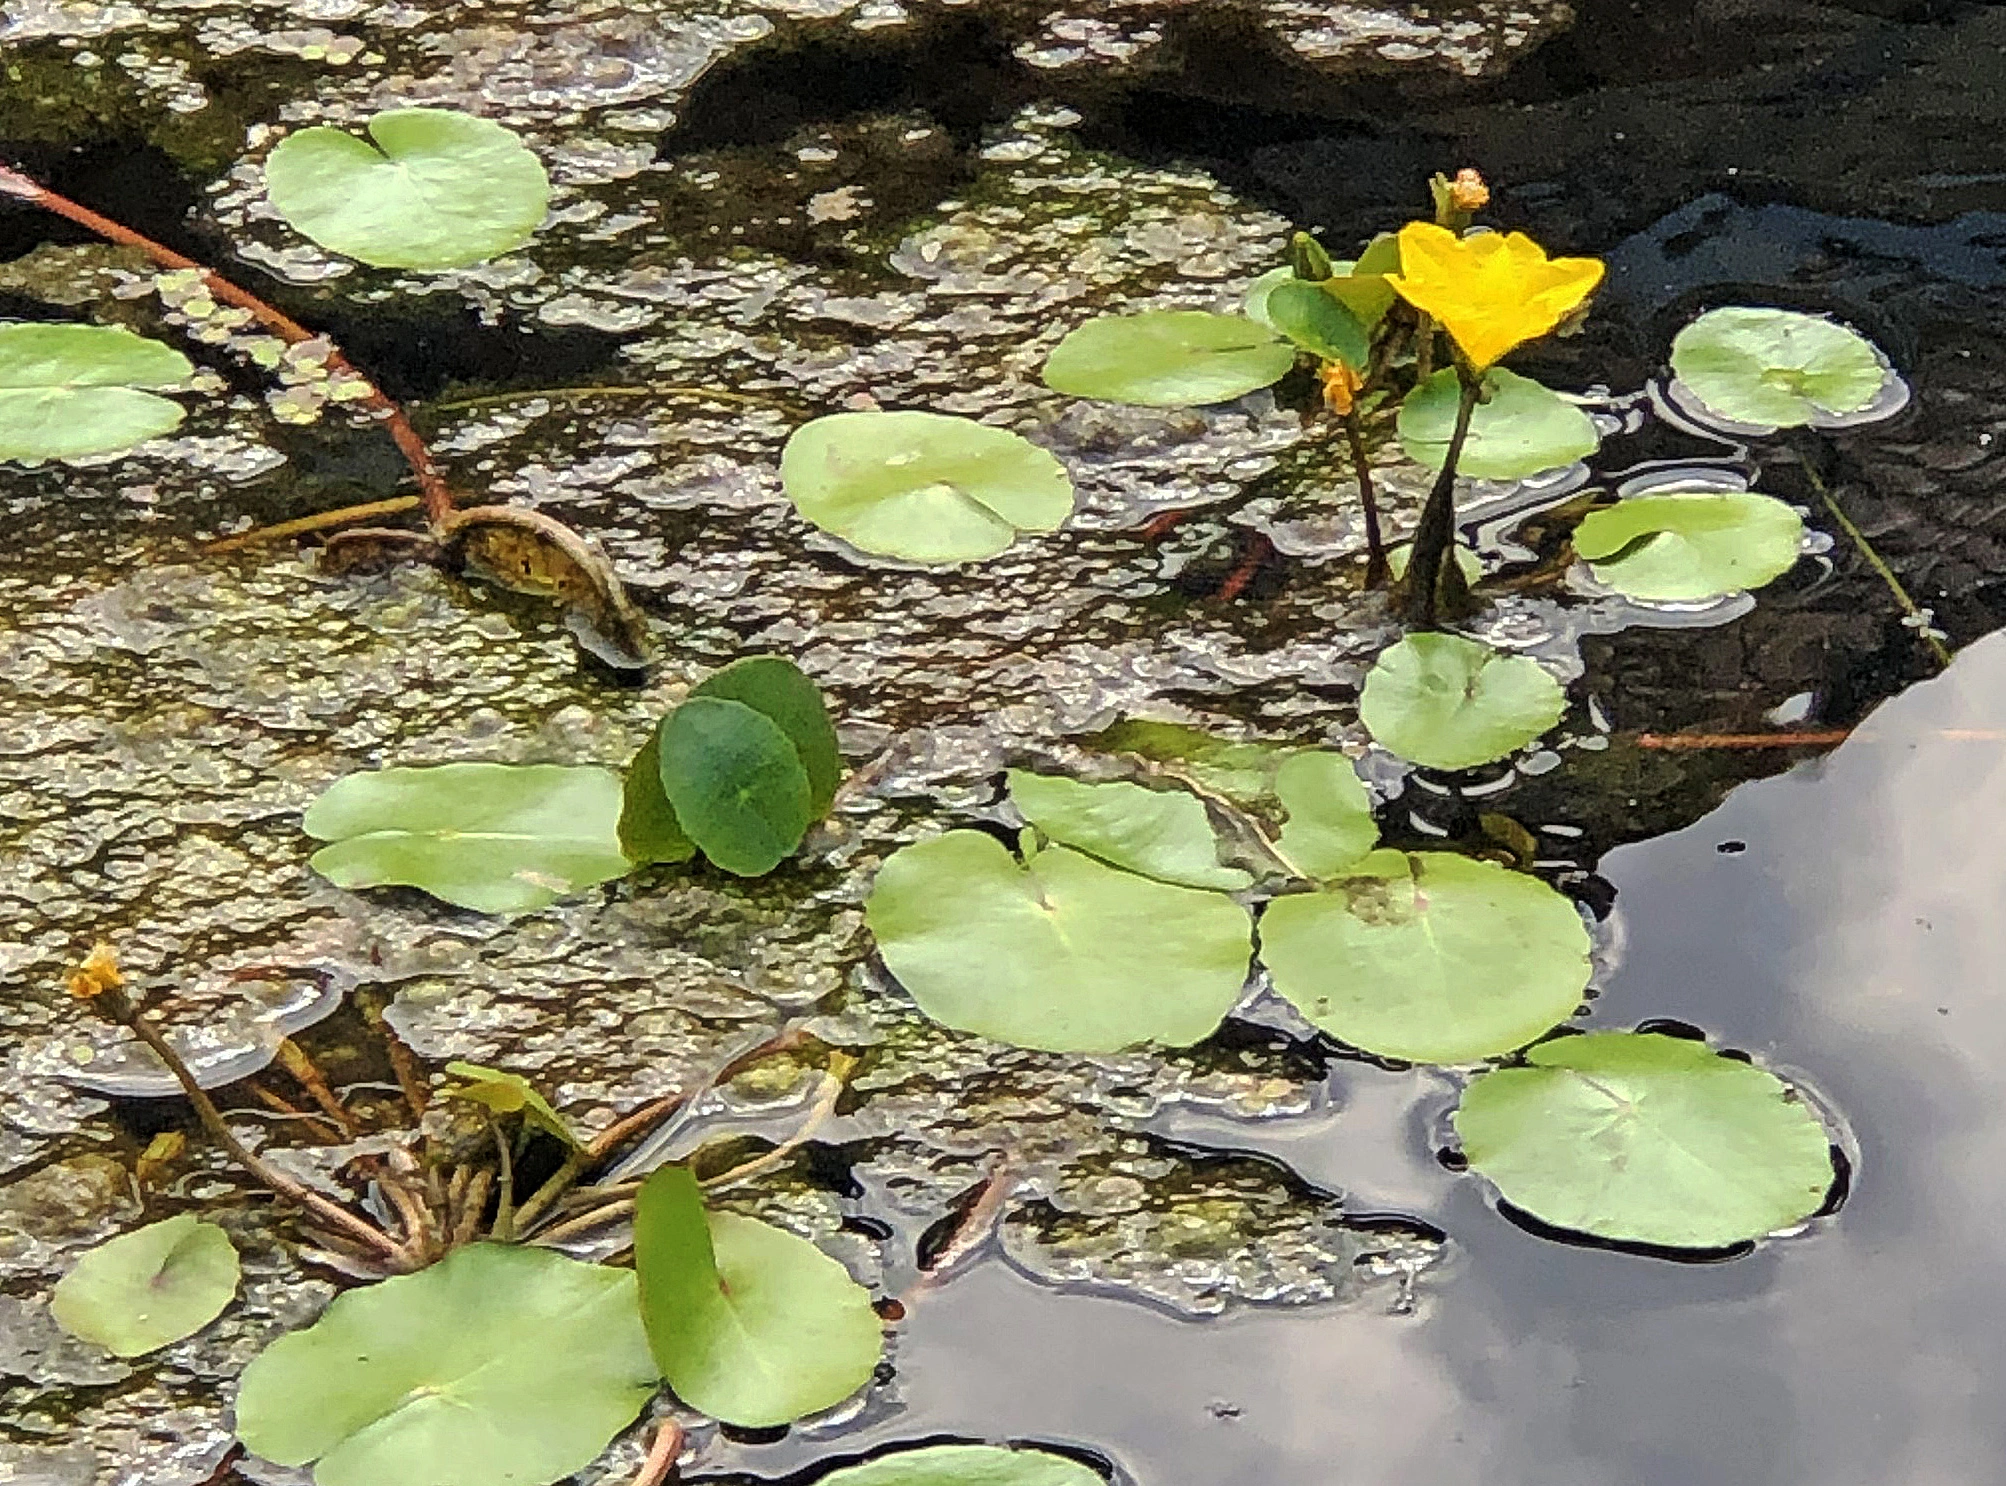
97 974
1468 193
1341 386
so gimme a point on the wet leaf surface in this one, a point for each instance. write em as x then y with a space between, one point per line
1164 834
1446 702
1684 546
1776 368
1167 359
69 390
149 1287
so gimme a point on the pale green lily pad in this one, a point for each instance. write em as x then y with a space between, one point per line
498 1363
1774 368
1059 953
925 487
144 1289
1429 957
71 390
1330 825
508 1093
1445 702
1167 359
1240 773
1647 1139
437 189
499 838
1163 834
1684 546
749 1323
965 1465
1524 428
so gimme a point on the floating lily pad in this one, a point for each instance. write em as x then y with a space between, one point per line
1445 702
436 189
508 1093
1060 952
1167 359
1330 825
149 1287
1690 545
500 838
736 783
69 390
749 1323
1776 368
966 1465
1647 1139
1163 834
1429 957
1242 773
1319 322
498 1363
1524 428
924 487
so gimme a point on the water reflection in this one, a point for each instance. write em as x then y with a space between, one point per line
1857 940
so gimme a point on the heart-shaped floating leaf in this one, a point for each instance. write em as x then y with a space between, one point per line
965 1465
1319 322
736 783
751 1324
1523 429
496 1364
1773 368
68 390
500 838
1683 546
508 1093
1647 1139
1163 834
1330 824
1429 957
149 1287
925 487
1060 952
1167 359
437 189
1445 702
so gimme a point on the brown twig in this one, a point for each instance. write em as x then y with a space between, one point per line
117 1006
830 1089
410 1077
1259 550
437 495
306 1073
1163 523
1695 741
661 1461
976 1224
259 536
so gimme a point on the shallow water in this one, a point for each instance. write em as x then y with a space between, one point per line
1241 1262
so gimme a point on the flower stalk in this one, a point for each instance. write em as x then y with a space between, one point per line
1434 583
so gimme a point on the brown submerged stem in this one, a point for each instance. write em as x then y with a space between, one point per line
661 1461
1429 565
438 497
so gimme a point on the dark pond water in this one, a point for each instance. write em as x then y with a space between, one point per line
167 715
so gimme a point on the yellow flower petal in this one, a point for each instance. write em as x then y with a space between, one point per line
1492 291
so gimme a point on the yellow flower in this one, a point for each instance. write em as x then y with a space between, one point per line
1492 291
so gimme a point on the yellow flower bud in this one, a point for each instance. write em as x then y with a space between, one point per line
1468 193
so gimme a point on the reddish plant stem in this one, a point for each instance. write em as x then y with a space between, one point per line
661 1461
431 483
1693 741
1259 550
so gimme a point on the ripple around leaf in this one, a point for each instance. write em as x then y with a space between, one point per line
499 838
1429 957
1059 953
924 487
1771 368
149 1287
1446 702
1686 546
965 1465
69 390
751 1324
496 1364
1524 428
437 189
1167 359
1163 834
1647 1139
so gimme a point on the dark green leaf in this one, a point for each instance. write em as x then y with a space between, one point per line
736 784
649 830
1319 322
777 687
750 1324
